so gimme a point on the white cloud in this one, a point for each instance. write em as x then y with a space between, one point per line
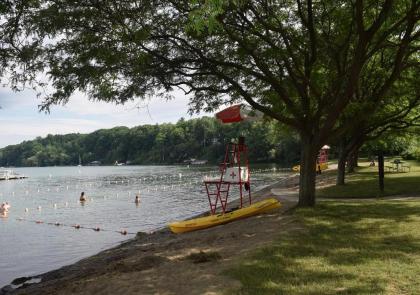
10 100
154 110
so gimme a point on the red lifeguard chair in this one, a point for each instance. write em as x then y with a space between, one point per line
322 160
233 171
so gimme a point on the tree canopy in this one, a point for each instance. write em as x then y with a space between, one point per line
300 62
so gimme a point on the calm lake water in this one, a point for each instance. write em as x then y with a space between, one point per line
51 194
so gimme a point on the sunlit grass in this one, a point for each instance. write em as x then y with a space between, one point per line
371 247
364 183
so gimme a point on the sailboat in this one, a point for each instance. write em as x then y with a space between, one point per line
80 162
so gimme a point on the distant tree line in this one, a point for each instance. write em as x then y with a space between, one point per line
204 138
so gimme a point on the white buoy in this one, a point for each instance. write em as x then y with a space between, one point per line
26 210
55 205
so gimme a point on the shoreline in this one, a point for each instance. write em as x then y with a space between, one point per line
99 264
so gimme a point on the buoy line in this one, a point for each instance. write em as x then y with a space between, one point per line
144 193
177 185
76 226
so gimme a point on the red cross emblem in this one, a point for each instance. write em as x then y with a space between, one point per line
232 174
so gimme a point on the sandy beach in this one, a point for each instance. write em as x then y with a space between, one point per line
166 263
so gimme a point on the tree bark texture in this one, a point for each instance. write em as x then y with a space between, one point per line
381 172
341 167
353 160
309 153
341 171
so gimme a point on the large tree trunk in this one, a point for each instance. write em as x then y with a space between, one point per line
341 167
353 160
309 152
381 172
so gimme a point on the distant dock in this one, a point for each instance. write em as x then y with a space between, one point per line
9 175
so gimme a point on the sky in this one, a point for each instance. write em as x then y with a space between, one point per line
21 120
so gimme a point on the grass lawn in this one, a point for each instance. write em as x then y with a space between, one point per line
366 247
358 247
364 183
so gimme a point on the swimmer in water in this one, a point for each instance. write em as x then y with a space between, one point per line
82 197
137 200
4 207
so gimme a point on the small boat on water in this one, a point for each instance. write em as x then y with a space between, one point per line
10 174
213 220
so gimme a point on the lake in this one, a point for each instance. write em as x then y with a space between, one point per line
38 233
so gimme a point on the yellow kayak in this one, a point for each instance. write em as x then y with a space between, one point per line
213 220
321 166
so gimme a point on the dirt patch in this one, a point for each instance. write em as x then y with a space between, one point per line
203 257
141 264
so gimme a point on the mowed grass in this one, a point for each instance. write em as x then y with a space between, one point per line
364 183
369 247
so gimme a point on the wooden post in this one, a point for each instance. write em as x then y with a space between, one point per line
381 172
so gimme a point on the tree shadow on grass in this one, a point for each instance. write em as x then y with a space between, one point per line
369 187
350 248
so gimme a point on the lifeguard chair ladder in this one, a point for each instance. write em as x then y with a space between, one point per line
233 171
